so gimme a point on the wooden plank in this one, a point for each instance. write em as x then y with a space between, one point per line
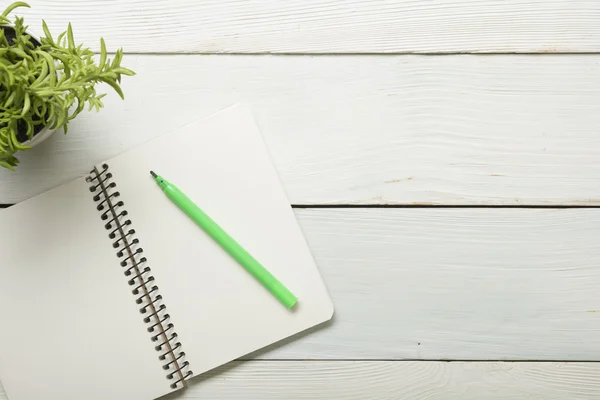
469 284
508 130
358 380
397 380
337 26
454 284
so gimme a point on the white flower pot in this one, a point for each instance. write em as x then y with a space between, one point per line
40 137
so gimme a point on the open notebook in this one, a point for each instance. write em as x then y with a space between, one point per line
71 326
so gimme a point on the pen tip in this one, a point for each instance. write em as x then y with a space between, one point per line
153 174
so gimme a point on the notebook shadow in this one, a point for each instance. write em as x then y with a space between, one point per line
256 356
259 354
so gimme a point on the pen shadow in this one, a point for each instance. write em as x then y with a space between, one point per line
219 372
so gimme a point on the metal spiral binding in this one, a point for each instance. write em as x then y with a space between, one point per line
145 290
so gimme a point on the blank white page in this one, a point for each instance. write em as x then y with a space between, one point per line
70 326
219 310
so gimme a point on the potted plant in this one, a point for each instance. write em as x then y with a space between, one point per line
45 83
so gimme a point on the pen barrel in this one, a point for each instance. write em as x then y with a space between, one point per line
232 247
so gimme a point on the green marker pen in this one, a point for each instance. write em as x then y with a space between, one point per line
276 288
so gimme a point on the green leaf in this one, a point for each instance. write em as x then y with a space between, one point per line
61 118
43 74
70 37
123 71
7 165
102 54
109 75
14 5
118 57
26 105
51 69
10 99
116 87
19 52
44 108
8 74
47 32
61 38
29 131
51 113
65 62
15 142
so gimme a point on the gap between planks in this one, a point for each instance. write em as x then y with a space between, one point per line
369 206
365 54
444 360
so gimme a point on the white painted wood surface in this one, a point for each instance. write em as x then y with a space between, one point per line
426 284
384 380
502 130
398 380
485 284
455 284
334 26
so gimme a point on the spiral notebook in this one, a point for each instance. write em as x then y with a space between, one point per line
95 307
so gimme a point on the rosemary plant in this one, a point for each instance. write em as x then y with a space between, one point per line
46 83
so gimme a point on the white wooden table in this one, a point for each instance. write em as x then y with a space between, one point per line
375 113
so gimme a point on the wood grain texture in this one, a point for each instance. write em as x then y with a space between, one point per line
453 284
397 380
507 130
338 26
381 380
469 284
